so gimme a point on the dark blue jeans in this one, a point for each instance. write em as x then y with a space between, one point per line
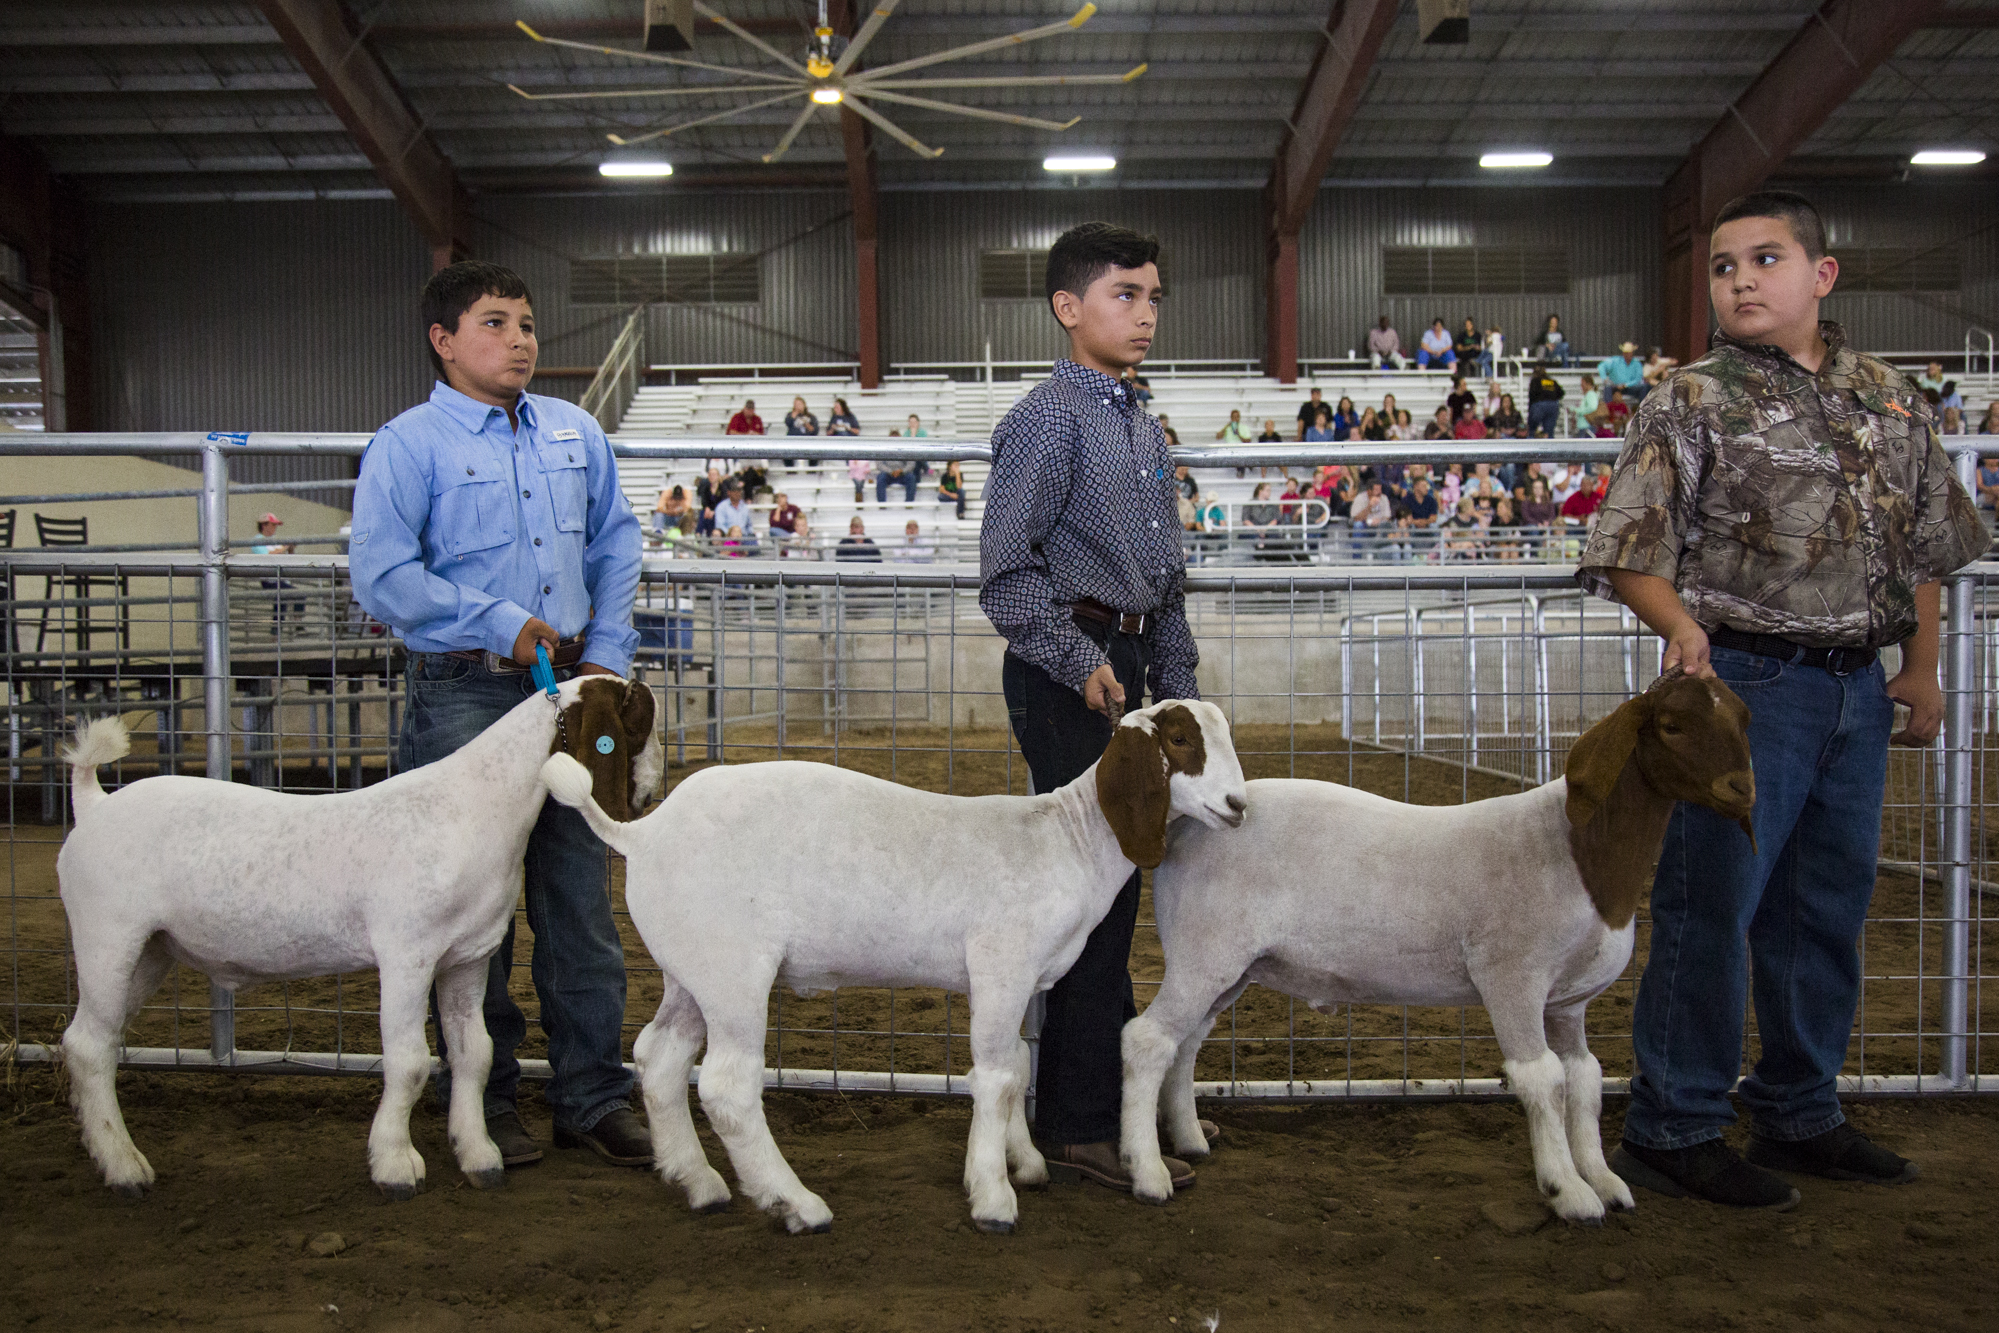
579 962
1544 417
1790 913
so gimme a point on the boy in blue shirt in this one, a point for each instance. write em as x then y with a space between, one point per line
488 521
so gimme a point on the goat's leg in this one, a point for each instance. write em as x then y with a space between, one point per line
1151 1046
1584 1077
112 983
1535 1075
665 1053
1176 1094
461 997
1030 1168
393 1161
732 1084
996 1086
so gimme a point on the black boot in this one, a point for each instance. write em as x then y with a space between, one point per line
1841 1153
1708 1170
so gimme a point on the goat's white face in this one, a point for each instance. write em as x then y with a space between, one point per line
1203 776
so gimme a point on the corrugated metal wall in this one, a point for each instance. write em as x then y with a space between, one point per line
1209 245
1612 237
1920 213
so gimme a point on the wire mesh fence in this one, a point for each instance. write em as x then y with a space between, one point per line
1433 684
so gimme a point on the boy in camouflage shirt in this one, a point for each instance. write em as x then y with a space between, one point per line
1783 509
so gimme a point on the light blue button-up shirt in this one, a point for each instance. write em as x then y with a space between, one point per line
465 528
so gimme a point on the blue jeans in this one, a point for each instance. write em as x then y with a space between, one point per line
1425 357
907 481
1544 417
579 962
1791 910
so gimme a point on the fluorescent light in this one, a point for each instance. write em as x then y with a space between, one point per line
826 96
1947 157
1078 163
645 169
1504 160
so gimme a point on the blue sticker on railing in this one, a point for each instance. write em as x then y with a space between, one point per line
230 436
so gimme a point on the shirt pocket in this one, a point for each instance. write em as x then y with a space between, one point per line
1769 478
565 472
472 511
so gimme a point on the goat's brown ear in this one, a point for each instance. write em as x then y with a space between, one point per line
1132 792
635 712
1596 760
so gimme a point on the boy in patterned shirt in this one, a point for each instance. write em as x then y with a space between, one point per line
1782 511
1081 570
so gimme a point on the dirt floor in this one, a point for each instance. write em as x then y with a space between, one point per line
1417 1217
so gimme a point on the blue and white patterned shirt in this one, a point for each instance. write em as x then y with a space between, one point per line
464 527
1081 504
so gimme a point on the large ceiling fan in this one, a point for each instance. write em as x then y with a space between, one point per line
827 79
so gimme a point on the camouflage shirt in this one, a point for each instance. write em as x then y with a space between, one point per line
1782 502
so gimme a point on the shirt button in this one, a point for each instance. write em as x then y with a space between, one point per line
527 495
1155 522
469 472
546 588
537 541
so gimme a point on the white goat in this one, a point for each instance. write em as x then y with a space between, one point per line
1521 903
990 895
415 876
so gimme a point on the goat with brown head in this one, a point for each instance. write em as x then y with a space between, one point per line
1684 739
609 730
1171 759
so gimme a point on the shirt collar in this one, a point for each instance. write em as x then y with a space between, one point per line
1093 382
473 414
1830 330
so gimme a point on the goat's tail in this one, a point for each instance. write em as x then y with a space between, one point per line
99 742
569 782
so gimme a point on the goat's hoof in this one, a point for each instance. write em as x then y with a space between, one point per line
486 1180
993 1226
130 1189
712 1208
1156 1200
799 1227
399 1193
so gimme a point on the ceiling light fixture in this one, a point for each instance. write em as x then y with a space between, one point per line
646 170
1079 163
1947 157
1503 161
827 96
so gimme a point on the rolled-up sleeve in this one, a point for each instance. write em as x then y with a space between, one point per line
610 564
386 557
1643 522
1025 495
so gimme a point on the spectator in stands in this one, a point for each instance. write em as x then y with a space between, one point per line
1420 511
1467 426
1506 422
1384 346
1322 426
746 422
737 543
1372 515
1189 513
1434 348
1490 406
1141 389
842 421
1504 526
784 516
1589 403
1990 425
1544 402
1495 351
1948 396
267 531
1440 425
1581 506
916 549
951 486
1184 482
858 472
1289 507
1460 399
896 472
1539 509
1259 512
1270 435
1988 483
1623 371
1953 422
733 511
1483 489
671 510
1345 419
799 420
1309 413
1462 532
1617 414
1553 345
708 492
1371 427
1403 429
914 428
857 545
1657 364
1172 436
1469 345
1233 431
1932 377
1563 481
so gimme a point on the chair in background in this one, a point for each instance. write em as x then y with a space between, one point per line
76 532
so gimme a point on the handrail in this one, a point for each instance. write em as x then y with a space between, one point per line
1991 350
617 381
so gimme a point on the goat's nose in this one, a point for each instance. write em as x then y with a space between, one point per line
1237 804
1739 785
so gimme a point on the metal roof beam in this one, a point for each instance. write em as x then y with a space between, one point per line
1834 52
361 91
864 190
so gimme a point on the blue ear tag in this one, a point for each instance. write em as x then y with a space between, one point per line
605 745
544 672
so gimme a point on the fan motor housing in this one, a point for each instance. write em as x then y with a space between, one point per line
669 25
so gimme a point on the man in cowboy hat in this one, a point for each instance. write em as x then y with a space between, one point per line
1623 371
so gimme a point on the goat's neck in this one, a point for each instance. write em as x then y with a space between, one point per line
504 761
1091 833
1617 848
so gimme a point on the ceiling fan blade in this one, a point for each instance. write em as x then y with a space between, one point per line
644 92
1076 20
759 43
977 113
784 144
867 82
890 128
703 120
647 55
867 34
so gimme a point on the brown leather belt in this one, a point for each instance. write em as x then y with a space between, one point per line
567 654
1106 619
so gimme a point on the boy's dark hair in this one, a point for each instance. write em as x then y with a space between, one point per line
452 290
1083 254
1798 213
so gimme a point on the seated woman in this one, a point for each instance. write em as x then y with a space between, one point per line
1371 426
1322 426
842 421
1344 418
1503 525
1553 345
1538 511
799 420
1506 422
1463 533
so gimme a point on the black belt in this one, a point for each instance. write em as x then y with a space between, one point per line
1839 661
1106 619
